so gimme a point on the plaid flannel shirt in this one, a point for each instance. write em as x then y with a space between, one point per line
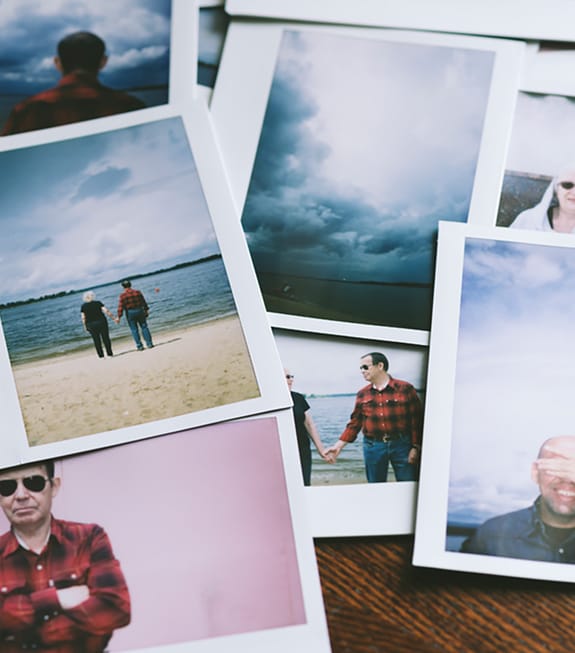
31 616
77 97
131 298
392 411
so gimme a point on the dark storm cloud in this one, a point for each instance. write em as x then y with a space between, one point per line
45 243
104 183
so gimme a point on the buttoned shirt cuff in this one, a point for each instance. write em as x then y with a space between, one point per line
46 601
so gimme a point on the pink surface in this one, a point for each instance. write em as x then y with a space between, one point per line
200 522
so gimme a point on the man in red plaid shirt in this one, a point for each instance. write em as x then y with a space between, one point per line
61 588
134 304
389 413
78 96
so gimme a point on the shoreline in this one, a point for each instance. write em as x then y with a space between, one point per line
78 394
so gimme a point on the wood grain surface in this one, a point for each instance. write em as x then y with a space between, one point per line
376 601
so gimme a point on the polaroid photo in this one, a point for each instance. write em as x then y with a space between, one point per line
192 548
497 485
526 19
537 189
73 60
212 27
340 176
128 303
324 375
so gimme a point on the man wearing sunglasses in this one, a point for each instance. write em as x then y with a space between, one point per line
389 413
61 588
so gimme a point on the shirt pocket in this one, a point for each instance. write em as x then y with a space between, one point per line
69 576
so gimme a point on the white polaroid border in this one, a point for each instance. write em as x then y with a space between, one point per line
547 70
273 394
432 501
346 510
184 48
238 106
526 19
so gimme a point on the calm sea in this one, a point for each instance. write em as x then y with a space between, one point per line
401 306
177 299
330 415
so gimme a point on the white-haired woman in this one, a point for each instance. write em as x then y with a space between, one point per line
556 210
95 323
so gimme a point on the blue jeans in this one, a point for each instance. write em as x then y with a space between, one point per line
137 318
377 456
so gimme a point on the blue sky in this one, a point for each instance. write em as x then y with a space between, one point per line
515 380
90 210
351 176
136 32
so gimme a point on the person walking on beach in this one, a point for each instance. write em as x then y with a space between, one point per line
133 302
63 590
390 414
94 320
78 95
305 429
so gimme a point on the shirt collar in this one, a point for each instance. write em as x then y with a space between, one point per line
536 525
14 542
79 77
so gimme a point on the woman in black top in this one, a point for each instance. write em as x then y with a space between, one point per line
95 323
305 429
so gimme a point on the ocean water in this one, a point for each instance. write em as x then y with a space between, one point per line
330 415
177 299
401 306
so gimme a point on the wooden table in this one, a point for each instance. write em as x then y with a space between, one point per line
376 601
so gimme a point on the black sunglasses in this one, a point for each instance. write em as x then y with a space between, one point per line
34 483
365 367
290 376
567 185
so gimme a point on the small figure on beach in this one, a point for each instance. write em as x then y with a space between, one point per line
389 413
556 210
545 530
305 430
62 588
79 94
132 301
94 314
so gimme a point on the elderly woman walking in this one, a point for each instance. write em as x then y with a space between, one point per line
94 320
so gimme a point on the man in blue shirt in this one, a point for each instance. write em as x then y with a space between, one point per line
546 530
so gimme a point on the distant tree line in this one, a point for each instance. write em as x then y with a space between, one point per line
63 293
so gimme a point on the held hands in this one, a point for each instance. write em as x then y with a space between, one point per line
71 597
333 451
327 455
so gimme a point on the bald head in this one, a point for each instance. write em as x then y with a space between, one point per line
560 445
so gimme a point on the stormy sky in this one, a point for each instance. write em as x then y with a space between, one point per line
366 144
513 388
136 32
91 210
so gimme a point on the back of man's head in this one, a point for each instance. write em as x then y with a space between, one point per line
81 51
126 283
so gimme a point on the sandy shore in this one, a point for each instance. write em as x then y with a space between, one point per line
188 370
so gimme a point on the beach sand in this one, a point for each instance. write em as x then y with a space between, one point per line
188 370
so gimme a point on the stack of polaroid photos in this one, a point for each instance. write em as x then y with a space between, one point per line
406 188
226 230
